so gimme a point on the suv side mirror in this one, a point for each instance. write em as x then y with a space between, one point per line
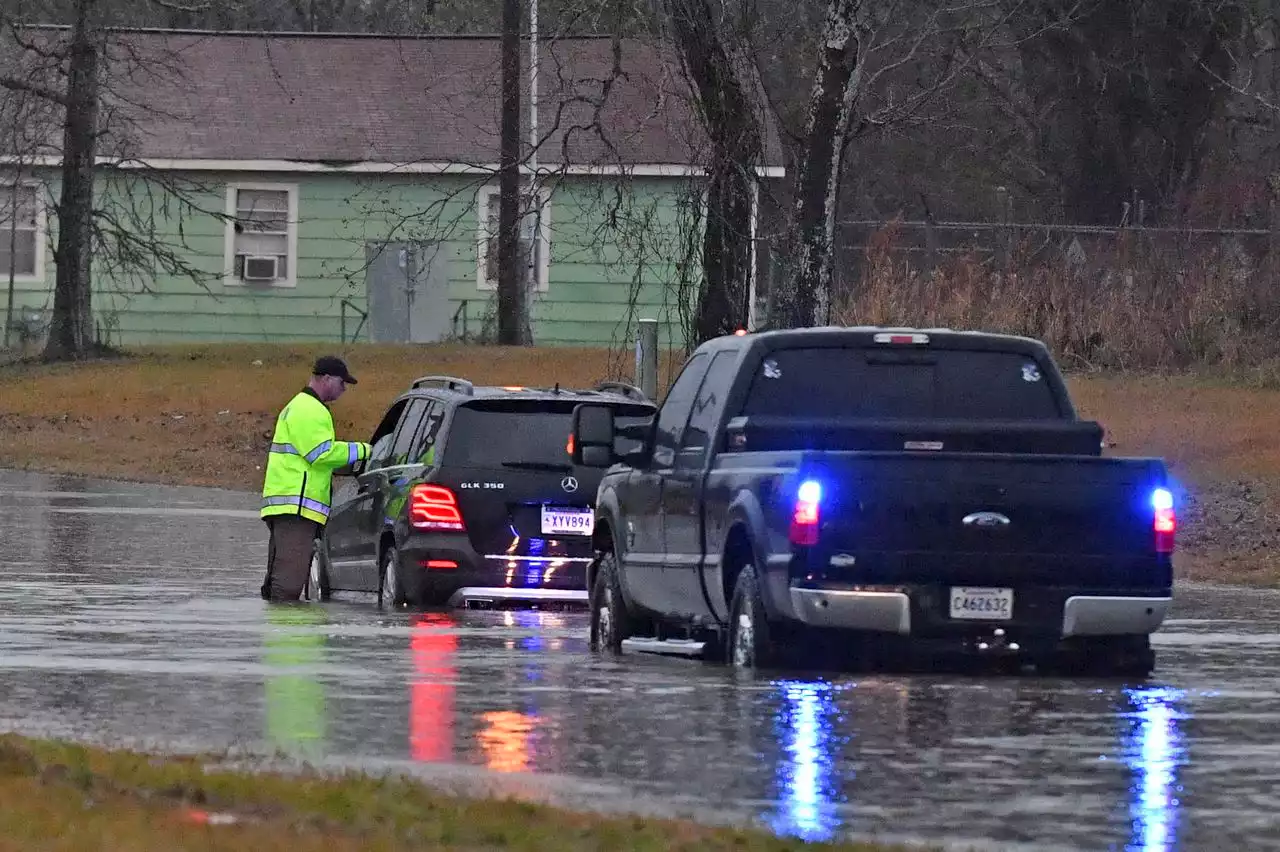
593 434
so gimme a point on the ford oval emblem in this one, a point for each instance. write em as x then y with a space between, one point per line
986 519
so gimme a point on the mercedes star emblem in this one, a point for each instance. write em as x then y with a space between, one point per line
569 484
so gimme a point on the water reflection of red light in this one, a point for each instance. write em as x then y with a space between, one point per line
432 644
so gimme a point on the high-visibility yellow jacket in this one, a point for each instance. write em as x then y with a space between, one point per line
304 454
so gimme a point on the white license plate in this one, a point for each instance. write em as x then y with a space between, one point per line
981 604
567 521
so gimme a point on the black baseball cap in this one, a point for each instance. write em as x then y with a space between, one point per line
332 365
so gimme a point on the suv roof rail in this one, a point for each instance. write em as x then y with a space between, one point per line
452 383
623 388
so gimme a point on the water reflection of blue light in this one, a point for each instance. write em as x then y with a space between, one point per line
531 620
805 807
1153 749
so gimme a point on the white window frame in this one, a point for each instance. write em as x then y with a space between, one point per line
483 233
229 250
42 231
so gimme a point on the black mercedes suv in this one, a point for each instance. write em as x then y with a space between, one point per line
469 498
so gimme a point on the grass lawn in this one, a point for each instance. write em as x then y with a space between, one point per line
203 415
68 797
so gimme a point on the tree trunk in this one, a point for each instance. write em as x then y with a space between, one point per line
71 327
736 148
511 281
820 164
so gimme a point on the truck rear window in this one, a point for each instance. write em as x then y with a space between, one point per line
525 433
884 383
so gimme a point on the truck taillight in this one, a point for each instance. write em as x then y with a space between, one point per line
805 516
434 507
1164 520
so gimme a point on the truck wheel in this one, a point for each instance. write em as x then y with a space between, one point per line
611 622
751 641
1113 656
1127 656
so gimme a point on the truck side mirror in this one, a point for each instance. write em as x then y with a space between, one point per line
593 434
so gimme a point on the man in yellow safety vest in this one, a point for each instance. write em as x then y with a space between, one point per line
297 489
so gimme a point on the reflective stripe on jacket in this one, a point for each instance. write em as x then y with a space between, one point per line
304 453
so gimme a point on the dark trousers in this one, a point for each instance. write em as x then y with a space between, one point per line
288 556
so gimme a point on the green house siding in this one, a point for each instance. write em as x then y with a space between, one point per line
617 248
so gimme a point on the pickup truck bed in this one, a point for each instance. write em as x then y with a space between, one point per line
772 525
1042 530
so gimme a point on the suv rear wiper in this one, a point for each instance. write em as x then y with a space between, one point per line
557 467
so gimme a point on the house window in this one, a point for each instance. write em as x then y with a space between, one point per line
262 238
20 243
533 252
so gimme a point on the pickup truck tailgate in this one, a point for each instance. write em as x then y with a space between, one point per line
972 517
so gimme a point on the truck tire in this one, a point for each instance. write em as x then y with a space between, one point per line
611 622
751 640
1111 656
1127 656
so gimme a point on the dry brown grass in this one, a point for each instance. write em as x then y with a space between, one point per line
203 415
1206 431
67 797
1135 303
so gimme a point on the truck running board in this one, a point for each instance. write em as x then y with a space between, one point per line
668 647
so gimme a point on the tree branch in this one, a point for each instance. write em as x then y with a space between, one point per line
15 84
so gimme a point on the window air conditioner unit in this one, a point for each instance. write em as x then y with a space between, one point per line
260 268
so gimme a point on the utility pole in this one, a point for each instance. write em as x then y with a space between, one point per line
511 280
535 201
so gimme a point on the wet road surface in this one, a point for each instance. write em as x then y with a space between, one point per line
129 614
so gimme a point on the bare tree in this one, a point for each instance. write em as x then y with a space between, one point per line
727 100
71 327
1118 100
25 118
1251 70
881 65
93 78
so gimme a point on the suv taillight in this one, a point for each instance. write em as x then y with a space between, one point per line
434 507
1164 520
805 516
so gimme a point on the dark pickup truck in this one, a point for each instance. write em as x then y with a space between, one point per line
877 492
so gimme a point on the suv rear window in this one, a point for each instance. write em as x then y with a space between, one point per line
896 383
526 433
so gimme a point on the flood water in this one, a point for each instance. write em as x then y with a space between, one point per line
130 614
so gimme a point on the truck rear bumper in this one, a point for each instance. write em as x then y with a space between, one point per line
889 612
1099 615
917 611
